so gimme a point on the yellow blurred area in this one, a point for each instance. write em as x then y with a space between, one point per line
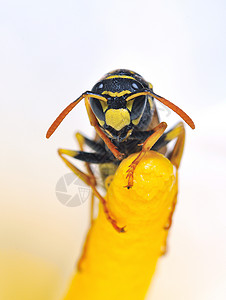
27 277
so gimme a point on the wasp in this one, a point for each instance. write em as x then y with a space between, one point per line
121 108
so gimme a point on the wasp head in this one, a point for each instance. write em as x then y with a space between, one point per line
118 115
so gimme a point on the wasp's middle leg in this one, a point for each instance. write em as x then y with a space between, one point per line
88 179
174 156
81 141
177 132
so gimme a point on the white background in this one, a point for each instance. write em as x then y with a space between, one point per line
51 52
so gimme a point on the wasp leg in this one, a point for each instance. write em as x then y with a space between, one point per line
167 226
89 180
177 132
169 221
84 251
175 157
177 152
100 150
81 141
91 158
162 140
147 145
95 145
102 135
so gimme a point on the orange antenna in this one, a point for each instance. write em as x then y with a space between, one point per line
66 111
166 102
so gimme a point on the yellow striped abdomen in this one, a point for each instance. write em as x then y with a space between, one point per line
120 266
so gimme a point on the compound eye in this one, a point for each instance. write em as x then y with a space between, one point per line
138 107
97 108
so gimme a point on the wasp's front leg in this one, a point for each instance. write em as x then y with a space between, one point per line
146 146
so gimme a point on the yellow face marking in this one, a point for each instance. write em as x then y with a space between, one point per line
120 76
129 105
117 118
97 97
150 85
104 105
137 95
136 121
151 103
108 132
101 122
116 94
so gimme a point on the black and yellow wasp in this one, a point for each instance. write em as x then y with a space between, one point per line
122 110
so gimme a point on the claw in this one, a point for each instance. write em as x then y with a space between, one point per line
123 229
117 228
120 155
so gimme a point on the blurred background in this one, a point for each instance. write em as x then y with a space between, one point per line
51 52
